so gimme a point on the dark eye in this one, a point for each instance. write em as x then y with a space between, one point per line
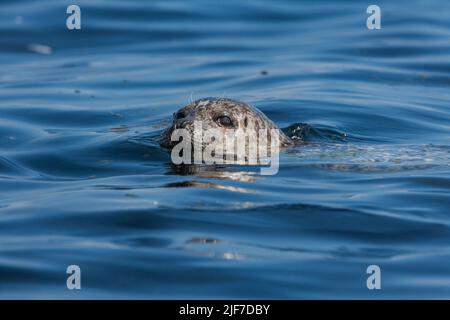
180 115
224 121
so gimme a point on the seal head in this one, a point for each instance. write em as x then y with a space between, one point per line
220 114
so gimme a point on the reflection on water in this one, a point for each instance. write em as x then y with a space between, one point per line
190 184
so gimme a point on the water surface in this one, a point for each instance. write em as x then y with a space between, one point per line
83 180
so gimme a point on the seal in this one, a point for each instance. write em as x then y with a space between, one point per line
222 114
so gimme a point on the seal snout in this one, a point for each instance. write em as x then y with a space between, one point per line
181 119
179 115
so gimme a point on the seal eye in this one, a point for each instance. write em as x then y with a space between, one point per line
224 121
180 115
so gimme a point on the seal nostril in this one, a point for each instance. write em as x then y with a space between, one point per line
180 115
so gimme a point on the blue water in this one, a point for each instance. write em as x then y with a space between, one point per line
84 182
